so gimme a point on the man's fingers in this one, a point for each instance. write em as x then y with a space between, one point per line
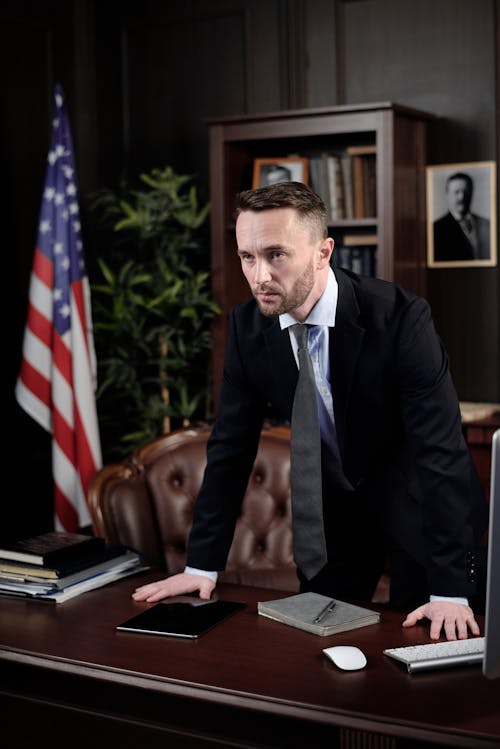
454 618
414 617
175 586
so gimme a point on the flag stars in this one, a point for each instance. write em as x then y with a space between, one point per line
76 225
64 310
49 193
59 198
71 189
58 248
73 208
45 226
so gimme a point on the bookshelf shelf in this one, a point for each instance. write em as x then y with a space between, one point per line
396 136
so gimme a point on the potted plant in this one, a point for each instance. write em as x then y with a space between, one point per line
152 310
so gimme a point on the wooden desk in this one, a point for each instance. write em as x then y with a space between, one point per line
67 678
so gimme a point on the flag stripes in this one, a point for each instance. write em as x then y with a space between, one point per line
56 381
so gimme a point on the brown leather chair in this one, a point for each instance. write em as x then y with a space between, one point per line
146 502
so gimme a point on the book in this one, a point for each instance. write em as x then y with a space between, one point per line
301 610
13 576
346 166
359 238
61 570
50 549
335 187
59 595
363 159
366 150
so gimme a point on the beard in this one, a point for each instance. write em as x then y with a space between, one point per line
281 301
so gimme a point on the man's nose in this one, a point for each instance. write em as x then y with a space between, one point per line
262 271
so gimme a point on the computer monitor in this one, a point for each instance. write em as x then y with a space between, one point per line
491 662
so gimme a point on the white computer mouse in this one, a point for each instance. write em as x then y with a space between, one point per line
346 657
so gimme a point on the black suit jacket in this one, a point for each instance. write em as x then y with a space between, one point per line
450 242
398 426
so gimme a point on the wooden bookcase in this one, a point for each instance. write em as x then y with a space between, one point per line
399 135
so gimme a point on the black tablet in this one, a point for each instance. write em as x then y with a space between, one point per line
181 619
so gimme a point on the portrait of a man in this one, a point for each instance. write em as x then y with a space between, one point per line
280 169
460 228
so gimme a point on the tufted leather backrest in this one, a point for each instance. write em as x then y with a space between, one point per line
147 502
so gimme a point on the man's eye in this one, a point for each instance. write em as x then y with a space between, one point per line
276 254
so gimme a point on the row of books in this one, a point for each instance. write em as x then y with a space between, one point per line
356 252
346 180
57 566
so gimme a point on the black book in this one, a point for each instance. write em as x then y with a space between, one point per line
109 553
51 549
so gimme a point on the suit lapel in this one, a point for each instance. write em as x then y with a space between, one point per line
346 339
283 366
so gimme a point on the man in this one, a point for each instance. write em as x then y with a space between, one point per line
460 234
387 409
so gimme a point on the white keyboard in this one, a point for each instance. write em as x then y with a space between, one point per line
439 654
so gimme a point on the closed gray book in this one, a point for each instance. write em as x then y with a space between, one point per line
318 614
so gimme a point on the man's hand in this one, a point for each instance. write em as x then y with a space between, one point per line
455 618
175 586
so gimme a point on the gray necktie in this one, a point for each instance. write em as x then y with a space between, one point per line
307 503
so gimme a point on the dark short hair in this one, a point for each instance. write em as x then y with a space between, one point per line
296 195
461 175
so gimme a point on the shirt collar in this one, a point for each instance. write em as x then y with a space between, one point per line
325 309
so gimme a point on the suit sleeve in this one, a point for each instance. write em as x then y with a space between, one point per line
231 452
453 507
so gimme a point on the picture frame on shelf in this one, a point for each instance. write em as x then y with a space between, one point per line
461 215
268 171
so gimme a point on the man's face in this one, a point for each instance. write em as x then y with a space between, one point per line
280 260
459 197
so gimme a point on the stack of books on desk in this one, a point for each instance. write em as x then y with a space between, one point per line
57 566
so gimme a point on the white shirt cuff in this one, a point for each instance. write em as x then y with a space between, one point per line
451 599
204 573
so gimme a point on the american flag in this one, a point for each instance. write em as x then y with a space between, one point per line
56 381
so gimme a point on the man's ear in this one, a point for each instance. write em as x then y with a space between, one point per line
325 252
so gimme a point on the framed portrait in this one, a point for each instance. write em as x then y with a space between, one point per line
280 169
461 215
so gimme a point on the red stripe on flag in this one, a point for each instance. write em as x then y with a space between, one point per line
39 325
86 462
64 510
63 435
43 268
34 381
79 300
63 359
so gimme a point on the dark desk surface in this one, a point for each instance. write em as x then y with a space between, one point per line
252 664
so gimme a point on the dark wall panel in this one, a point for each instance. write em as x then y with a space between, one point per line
440 57
178 73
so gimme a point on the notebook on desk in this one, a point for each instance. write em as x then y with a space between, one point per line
475 650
